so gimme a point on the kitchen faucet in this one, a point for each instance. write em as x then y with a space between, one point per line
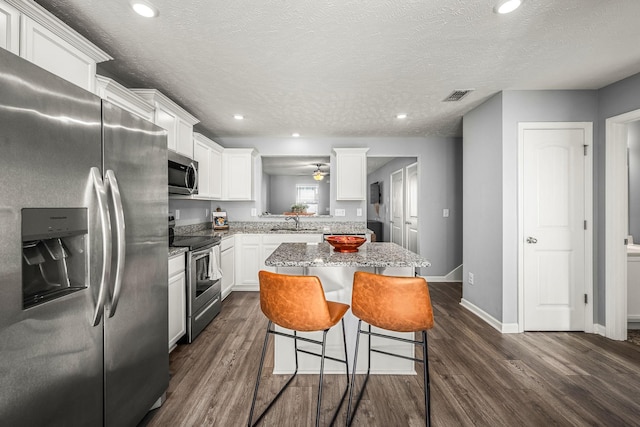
296 218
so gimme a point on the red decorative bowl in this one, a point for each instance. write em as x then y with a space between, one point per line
345 243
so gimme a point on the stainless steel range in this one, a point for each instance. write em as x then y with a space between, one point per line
203 281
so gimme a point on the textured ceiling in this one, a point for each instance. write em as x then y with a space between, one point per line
346 67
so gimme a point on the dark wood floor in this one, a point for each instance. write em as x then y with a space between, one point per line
479 377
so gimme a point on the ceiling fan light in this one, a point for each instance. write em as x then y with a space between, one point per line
507 6
318 176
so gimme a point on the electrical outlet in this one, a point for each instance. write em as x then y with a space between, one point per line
177 215
206 213
470 279
445 213
254 212
340 212
359 212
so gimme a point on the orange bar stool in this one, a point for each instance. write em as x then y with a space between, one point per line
400 304
298 303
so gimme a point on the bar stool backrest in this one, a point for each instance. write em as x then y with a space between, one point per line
294 302
399 304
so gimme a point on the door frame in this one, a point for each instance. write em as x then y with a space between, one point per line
616 223
587 128
402 202
407 199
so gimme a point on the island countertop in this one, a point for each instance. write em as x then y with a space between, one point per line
380 254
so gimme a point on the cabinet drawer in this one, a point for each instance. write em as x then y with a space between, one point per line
227 243
176 264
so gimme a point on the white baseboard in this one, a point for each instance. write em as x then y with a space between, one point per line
599 329
505 328
633 318
454 275
245 288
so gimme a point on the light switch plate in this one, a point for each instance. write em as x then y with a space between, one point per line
177 215
445 213
359 212
340 212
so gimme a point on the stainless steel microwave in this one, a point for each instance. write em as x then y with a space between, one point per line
183 174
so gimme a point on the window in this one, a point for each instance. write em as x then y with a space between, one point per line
308 194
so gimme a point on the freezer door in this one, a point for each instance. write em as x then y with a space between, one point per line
50 354
136 323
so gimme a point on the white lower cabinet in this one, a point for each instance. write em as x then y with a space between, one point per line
254 249
227 263
177 300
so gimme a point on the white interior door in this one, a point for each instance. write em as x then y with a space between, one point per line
554 229
411 211
397 208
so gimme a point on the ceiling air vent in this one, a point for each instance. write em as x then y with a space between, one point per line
457 95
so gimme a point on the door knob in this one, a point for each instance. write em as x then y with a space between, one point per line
532 240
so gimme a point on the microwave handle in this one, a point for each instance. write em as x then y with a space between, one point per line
195 176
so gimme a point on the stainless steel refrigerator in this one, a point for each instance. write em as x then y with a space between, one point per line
83 255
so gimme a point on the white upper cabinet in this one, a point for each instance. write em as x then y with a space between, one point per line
208 154
49 43
119 95
351 173
175 119
9 28
238 165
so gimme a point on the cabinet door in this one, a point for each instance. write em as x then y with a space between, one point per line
177 308
9 28
351 173
227 261
201 154
238 174
248 262
167 120
49 51
215 174
184 142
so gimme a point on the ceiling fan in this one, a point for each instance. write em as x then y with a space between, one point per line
318 174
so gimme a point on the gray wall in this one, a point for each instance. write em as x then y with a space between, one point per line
282 193
439 170
634 180
617 98
383 176
517 106
482 206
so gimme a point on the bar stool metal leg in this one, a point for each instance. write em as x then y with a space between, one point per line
262 357
425 361
427 388
322 356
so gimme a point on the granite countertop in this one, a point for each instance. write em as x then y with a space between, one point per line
322 255
173 251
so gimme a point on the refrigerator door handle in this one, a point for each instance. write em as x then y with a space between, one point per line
101 194
121 244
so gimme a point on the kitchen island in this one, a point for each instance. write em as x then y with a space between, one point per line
336 270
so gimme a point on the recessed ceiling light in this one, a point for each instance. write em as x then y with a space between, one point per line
401 116
507 6
144 8
295 134
238 116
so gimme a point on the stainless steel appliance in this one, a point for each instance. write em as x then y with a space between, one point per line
83 258
182 174
204 281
